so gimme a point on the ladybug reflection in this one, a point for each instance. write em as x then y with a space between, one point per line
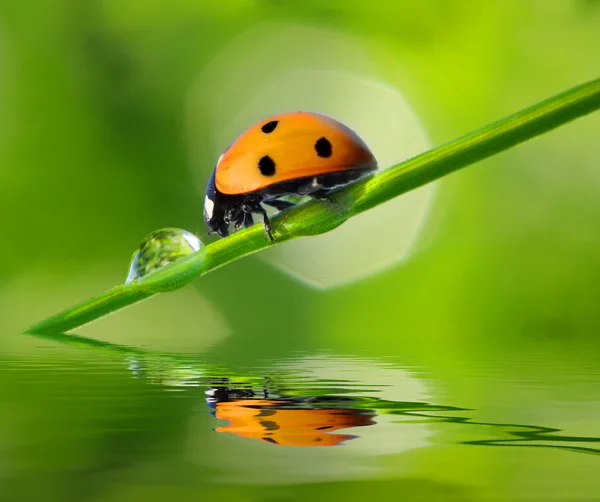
287 421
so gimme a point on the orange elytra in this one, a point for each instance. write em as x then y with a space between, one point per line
298 153
270 421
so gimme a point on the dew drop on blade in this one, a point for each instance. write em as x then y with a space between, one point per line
159 249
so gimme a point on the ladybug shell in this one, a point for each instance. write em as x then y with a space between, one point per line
287 147
265 421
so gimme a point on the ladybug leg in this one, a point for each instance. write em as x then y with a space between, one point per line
267 223
248 220
258 209
238 225
239 221
279 204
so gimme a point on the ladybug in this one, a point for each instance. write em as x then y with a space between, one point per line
272 421
285 420
297 153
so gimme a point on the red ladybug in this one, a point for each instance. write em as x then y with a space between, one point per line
296 153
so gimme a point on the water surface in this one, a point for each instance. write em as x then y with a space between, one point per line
93 421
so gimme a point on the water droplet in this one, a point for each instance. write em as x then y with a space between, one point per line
159 249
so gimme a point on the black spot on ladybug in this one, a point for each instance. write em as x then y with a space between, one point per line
323 147
324 428
269 127
270 440
270 426
266 166
266 413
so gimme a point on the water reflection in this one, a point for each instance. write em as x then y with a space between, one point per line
286 421
292 407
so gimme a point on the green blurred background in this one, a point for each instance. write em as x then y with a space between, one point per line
112 115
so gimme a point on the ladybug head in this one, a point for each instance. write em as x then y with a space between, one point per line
215 208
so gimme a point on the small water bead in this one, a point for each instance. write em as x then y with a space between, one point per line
159 249
165 372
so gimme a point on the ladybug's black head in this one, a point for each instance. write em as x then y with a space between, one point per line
215 208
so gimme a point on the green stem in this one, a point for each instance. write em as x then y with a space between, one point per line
315 217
